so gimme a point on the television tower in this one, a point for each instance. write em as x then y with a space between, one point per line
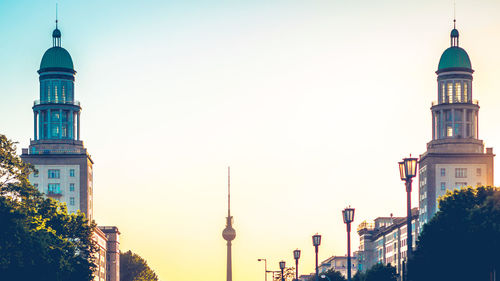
229 233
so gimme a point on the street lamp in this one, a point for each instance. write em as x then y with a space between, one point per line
407 171
282 267
323 276
296 256
316 243
348 215
265 267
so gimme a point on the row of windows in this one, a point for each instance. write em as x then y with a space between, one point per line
457 185
454 123
56 187
61 123
56 91
460 172
55 173
454 92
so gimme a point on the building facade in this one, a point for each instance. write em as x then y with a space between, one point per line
455 156
64 169
112 252
385 241
339 263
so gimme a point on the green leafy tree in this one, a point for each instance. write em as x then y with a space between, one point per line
329 275
135 268
378 272
39 240
332 275
288 272
462 241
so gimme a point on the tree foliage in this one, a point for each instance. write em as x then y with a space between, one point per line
39 240
288 272
378 272
462 241
332 275
135 268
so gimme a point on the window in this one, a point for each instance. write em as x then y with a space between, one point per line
54 188
466 95
72 172
443 186
35 173
449 131
72 201
450 92
478 172
443 172
479 184
458 115
54 174
458 92
460 172
460 184
35 185
71 187
442 93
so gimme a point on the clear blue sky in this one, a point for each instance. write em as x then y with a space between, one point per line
294 95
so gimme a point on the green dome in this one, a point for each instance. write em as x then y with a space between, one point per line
56 57
454 57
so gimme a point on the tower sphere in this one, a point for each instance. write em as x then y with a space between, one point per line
229 233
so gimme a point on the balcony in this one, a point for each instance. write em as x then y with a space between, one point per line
38 102
475 102
54 194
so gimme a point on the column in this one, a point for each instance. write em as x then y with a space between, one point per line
441 123
464 121
49 125
60 124
78 125
434 125
34 124
453 122
71 122
476 121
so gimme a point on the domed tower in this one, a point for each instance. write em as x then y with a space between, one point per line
455 156
229 233
63 164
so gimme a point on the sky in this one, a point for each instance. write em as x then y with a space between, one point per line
311 102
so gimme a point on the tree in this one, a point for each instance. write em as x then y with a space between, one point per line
333 275
378 272
330 275
39 240
135 268
288 272
462 241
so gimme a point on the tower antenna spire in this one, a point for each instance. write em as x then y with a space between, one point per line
229 191
454 14
56 16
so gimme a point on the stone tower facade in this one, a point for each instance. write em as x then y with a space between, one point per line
455 156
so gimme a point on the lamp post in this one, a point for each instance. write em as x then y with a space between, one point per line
265 267
316 243
296 256
407 171
282 267
348 215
